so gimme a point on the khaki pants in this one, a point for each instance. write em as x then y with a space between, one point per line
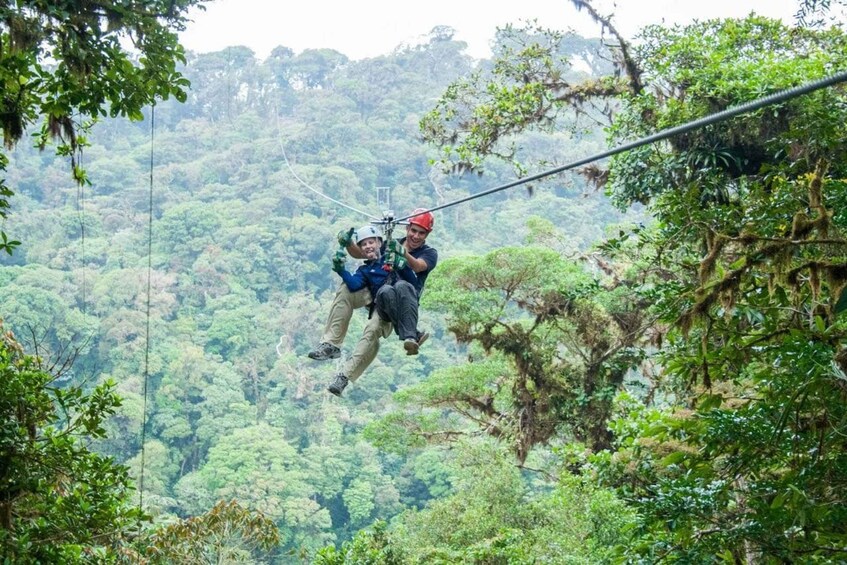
338 321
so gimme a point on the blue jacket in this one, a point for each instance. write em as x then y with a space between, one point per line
372 275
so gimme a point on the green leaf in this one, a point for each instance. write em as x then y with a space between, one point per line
673 458
710 401
779 500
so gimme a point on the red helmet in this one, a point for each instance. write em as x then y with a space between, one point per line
423 218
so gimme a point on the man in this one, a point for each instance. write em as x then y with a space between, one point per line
421 258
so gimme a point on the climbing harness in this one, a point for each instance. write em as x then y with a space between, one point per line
390 250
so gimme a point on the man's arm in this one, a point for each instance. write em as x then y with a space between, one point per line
408 275
355 251
417 265
424 262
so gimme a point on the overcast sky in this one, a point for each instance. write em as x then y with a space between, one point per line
368 28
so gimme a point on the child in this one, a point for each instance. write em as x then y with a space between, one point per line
374 272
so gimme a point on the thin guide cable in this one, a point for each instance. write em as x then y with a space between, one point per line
80 203
305 184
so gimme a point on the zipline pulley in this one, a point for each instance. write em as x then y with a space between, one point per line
390 248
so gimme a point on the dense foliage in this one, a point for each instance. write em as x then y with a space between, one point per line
750 212
600 385
68 63
240 283
741 459
60 502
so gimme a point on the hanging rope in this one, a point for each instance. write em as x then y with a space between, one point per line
721 116
305 184
80 203
147 330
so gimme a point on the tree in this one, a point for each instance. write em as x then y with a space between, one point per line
260 469
374 547
749 224
227 533
820 13
64 64
559 346
62 503
530 86
494 516
749 260
59 502
198 401
227 87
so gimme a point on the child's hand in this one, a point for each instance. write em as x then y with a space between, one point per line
338 263
345 238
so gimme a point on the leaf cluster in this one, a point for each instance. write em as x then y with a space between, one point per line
556 347
65 63
59 501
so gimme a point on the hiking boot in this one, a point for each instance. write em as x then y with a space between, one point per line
338 385
325 351
422 337
411 346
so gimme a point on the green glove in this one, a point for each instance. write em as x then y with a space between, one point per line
345 237
399 262
399 255
338 262
395 247
394 260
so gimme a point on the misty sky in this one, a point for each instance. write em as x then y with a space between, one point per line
369 28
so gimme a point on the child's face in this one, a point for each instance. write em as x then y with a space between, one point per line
370 247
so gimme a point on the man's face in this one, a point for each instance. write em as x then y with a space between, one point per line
415 236
370 247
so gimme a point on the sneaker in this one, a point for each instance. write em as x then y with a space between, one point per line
338 385
411 346
325 351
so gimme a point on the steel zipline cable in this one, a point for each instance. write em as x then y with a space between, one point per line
723 115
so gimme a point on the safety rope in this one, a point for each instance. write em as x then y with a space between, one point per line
147 331
723 115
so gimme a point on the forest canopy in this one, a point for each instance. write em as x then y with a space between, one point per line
640 361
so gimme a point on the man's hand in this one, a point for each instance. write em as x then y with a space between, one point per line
345 237
397 260
396 247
